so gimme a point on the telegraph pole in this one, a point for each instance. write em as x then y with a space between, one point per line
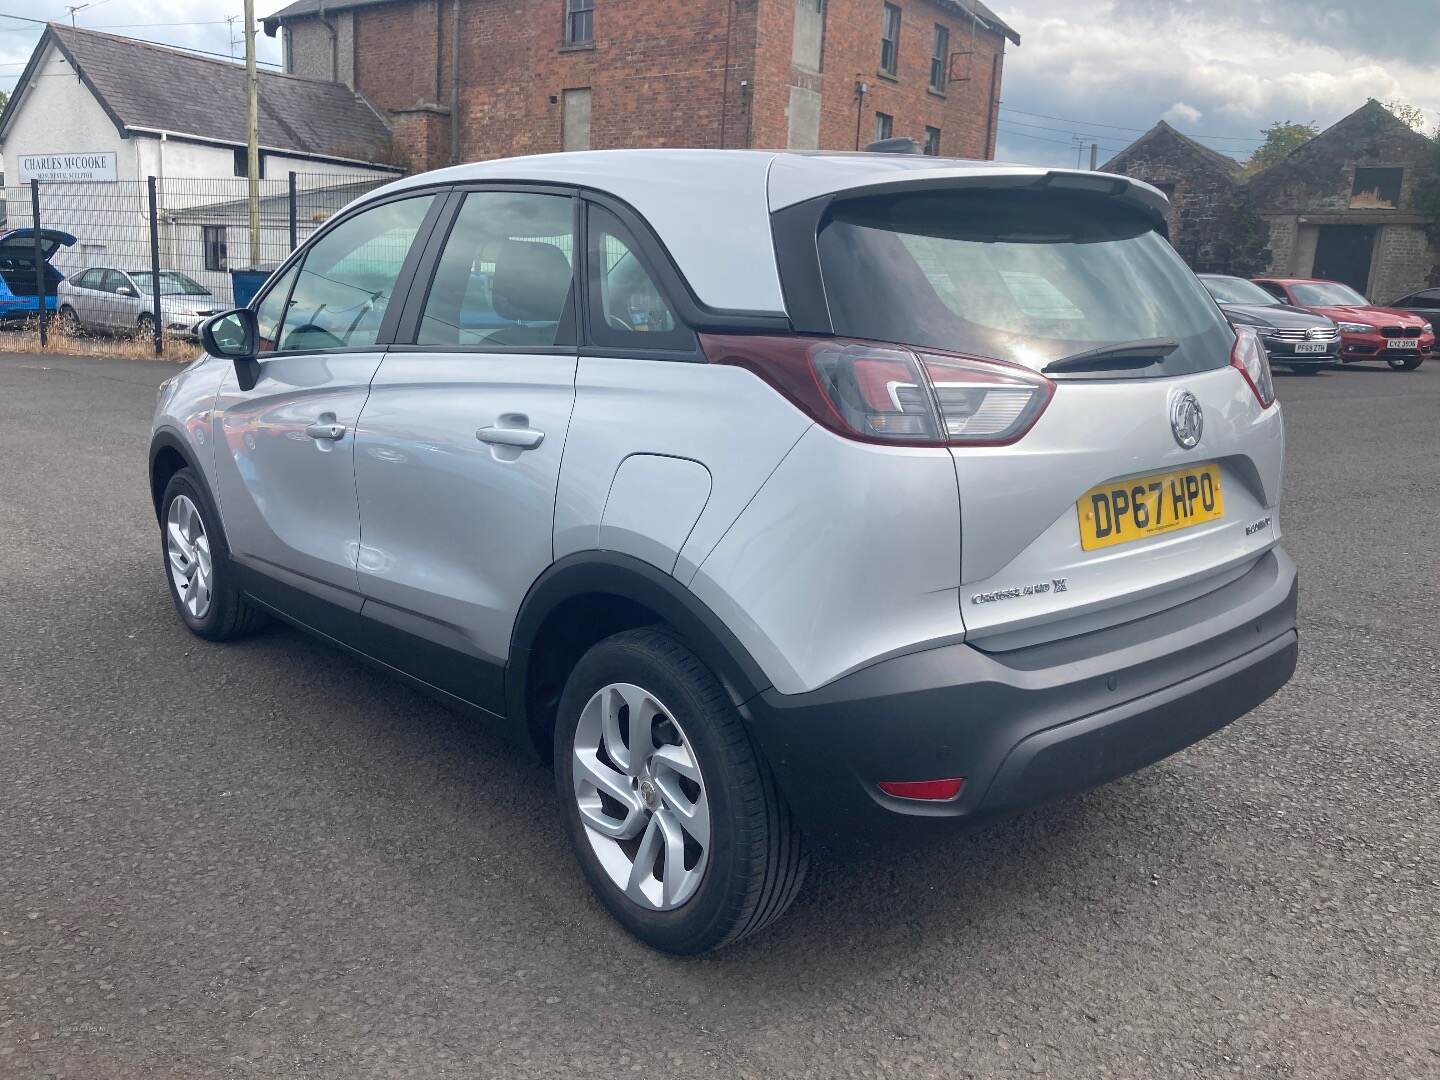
252 134
1094 155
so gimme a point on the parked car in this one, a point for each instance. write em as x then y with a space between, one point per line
107 300
1367 332
1298 339
1425 304
19 289
891 495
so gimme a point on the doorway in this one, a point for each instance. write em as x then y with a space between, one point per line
1343 253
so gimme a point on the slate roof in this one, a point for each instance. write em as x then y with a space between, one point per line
302 8
151 87
1224 162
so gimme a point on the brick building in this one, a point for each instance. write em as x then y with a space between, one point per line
1341 206
545 75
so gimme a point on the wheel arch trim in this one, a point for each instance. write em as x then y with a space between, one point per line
167 438
608 572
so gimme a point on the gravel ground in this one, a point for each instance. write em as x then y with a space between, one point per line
266 859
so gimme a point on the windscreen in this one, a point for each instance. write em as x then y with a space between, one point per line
172 283
1328 294
1027 277
1234 290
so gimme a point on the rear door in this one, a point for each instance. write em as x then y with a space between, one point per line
284 446
458 449
1141 484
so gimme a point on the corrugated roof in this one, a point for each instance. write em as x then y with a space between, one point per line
150 87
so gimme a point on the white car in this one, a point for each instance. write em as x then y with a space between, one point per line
105 300
776 499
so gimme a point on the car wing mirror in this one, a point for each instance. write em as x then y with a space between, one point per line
235 334
126 290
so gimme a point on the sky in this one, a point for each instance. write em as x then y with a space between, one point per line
1102 71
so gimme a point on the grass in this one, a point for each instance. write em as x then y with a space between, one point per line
26 339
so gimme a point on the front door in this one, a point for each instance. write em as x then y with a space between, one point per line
457 455
284 447
1343 252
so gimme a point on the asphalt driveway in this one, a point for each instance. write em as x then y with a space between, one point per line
266 860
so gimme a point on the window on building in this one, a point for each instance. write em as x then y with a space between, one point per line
884 125
575 119
940 59
212 239
932 141
579 22
627 308
890 41
242 163
1376 189
348 276
505 275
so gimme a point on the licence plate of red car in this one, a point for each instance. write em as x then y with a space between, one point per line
1402 343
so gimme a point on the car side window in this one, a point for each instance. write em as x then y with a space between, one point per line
270 315
504 279
84 280
627 308
1274 290
113 281
347 278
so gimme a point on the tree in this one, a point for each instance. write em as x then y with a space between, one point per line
4 99
1281 137
1412 115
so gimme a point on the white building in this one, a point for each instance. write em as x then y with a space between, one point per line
94 115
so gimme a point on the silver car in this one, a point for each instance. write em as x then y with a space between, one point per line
776 500
105 300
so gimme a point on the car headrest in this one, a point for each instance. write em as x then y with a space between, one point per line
531 281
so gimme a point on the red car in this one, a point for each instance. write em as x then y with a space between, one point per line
1367 332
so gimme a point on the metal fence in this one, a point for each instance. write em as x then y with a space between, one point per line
154 256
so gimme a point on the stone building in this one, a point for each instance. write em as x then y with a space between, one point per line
1202 186
545 75
1341 206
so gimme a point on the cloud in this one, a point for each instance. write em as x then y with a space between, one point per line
1111 68
1182 114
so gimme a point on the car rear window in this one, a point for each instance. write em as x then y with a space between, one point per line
1028 277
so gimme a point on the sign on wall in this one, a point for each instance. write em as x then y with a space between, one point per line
99 165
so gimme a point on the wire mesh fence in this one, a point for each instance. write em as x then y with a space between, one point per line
153 258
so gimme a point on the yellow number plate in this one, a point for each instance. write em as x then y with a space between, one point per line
1127 510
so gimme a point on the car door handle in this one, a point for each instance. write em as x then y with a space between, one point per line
325 431
522 438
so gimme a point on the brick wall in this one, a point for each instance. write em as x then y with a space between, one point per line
661 73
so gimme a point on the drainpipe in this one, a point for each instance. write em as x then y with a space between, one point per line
334 42
454 82
860 91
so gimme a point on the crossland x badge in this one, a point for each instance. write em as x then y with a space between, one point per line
1187 420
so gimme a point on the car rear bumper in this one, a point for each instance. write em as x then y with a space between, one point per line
1030 725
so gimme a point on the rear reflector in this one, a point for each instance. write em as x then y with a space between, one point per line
931 790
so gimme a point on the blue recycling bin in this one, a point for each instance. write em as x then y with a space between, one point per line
244 284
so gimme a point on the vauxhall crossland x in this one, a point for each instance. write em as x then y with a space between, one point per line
779 500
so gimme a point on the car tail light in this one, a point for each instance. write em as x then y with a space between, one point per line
1249 356
891 394
928 790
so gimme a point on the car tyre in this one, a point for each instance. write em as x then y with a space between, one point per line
70 324
202 579
713 891
1408 363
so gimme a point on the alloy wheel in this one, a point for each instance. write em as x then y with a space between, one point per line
641 796
187 550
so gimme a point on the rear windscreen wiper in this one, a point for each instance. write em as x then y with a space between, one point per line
1122 356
